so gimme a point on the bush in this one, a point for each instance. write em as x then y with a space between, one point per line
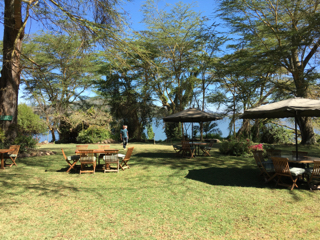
235 147
93 134
276 134
29 122
26 142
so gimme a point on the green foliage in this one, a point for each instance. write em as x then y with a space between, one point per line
2 135
150 132
29 122
26 142
235 147
276 134
214 136
93 134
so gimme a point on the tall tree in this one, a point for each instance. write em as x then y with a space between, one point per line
173 36
63 15
65 69
287 33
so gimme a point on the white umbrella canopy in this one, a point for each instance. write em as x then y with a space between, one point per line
292 107
287 108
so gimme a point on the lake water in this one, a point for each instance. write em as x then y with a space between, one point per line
159 131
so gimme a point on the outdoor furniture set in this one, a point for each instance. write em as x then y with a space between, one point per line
291 167
88 157
9 154
189 148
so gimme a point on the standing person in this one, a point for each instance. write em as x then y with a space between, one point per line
124 135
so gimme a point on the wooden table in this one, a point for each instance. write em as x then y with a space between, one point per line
198 144
301 160
2 151
108 151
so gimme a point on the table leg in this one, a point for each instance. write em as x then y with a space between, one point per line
2 161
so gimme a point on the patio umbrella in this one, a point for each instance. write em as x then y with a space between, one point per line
292 107
191 115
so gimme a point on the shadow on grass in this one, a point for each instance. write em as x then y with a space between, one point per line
240 177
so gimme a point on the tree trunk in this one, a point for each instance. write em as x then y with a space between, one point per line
245 128
11 69
306 130
53 135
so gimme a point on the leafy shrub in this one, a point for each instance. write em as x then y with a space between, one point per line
26 142
29 122
93 134
276 134
235 147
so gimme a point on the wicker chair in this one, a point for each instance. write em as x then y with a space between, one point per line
87 158
281 167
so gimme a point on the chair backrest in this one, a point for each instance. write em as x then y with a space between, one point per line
103 146
64 155
300 154
86 153
128 154
281 165
81 147
15 149
273 153
316 169
258 157
185 145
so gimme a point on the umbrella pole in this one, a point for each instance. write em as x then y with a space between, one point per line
192 133
295 127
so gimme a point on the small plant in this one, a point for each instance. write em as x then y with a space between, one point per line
257 147
26 142
93 134
235 147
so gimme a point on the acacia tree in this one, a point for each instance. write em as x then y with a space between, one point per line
173 36
284 32
66 67
62 15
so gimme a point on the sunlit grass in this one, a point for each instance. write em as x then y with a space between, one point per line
160 197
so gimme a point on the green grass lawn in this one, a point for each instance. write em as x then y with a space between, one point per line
161 196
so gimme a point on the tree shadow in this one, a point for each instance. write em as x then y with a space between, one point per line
241 177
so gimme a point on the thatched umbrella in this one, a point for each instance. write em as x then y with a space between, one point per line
192 115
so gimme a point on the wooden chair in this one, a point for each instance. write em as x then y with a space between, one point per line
87 158
12 156
177 149
125 158
266 168
101 155
313 174
281 167
206 149
81 147
71 160
186 148
111 159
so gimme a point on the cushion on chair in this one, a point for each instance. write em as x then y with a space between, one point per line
121 155
6 155
177 147
93 159
73 157
297 171
268 165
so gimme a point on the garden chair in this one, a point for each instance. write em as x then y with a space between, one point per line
266 168
125 158
111 159
186 148
281 167
71 160
314 174
177 149
101 155
87 158
206 149
12 156
81 147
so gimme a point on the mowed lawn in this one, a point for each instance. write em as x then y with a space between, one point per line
161 196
